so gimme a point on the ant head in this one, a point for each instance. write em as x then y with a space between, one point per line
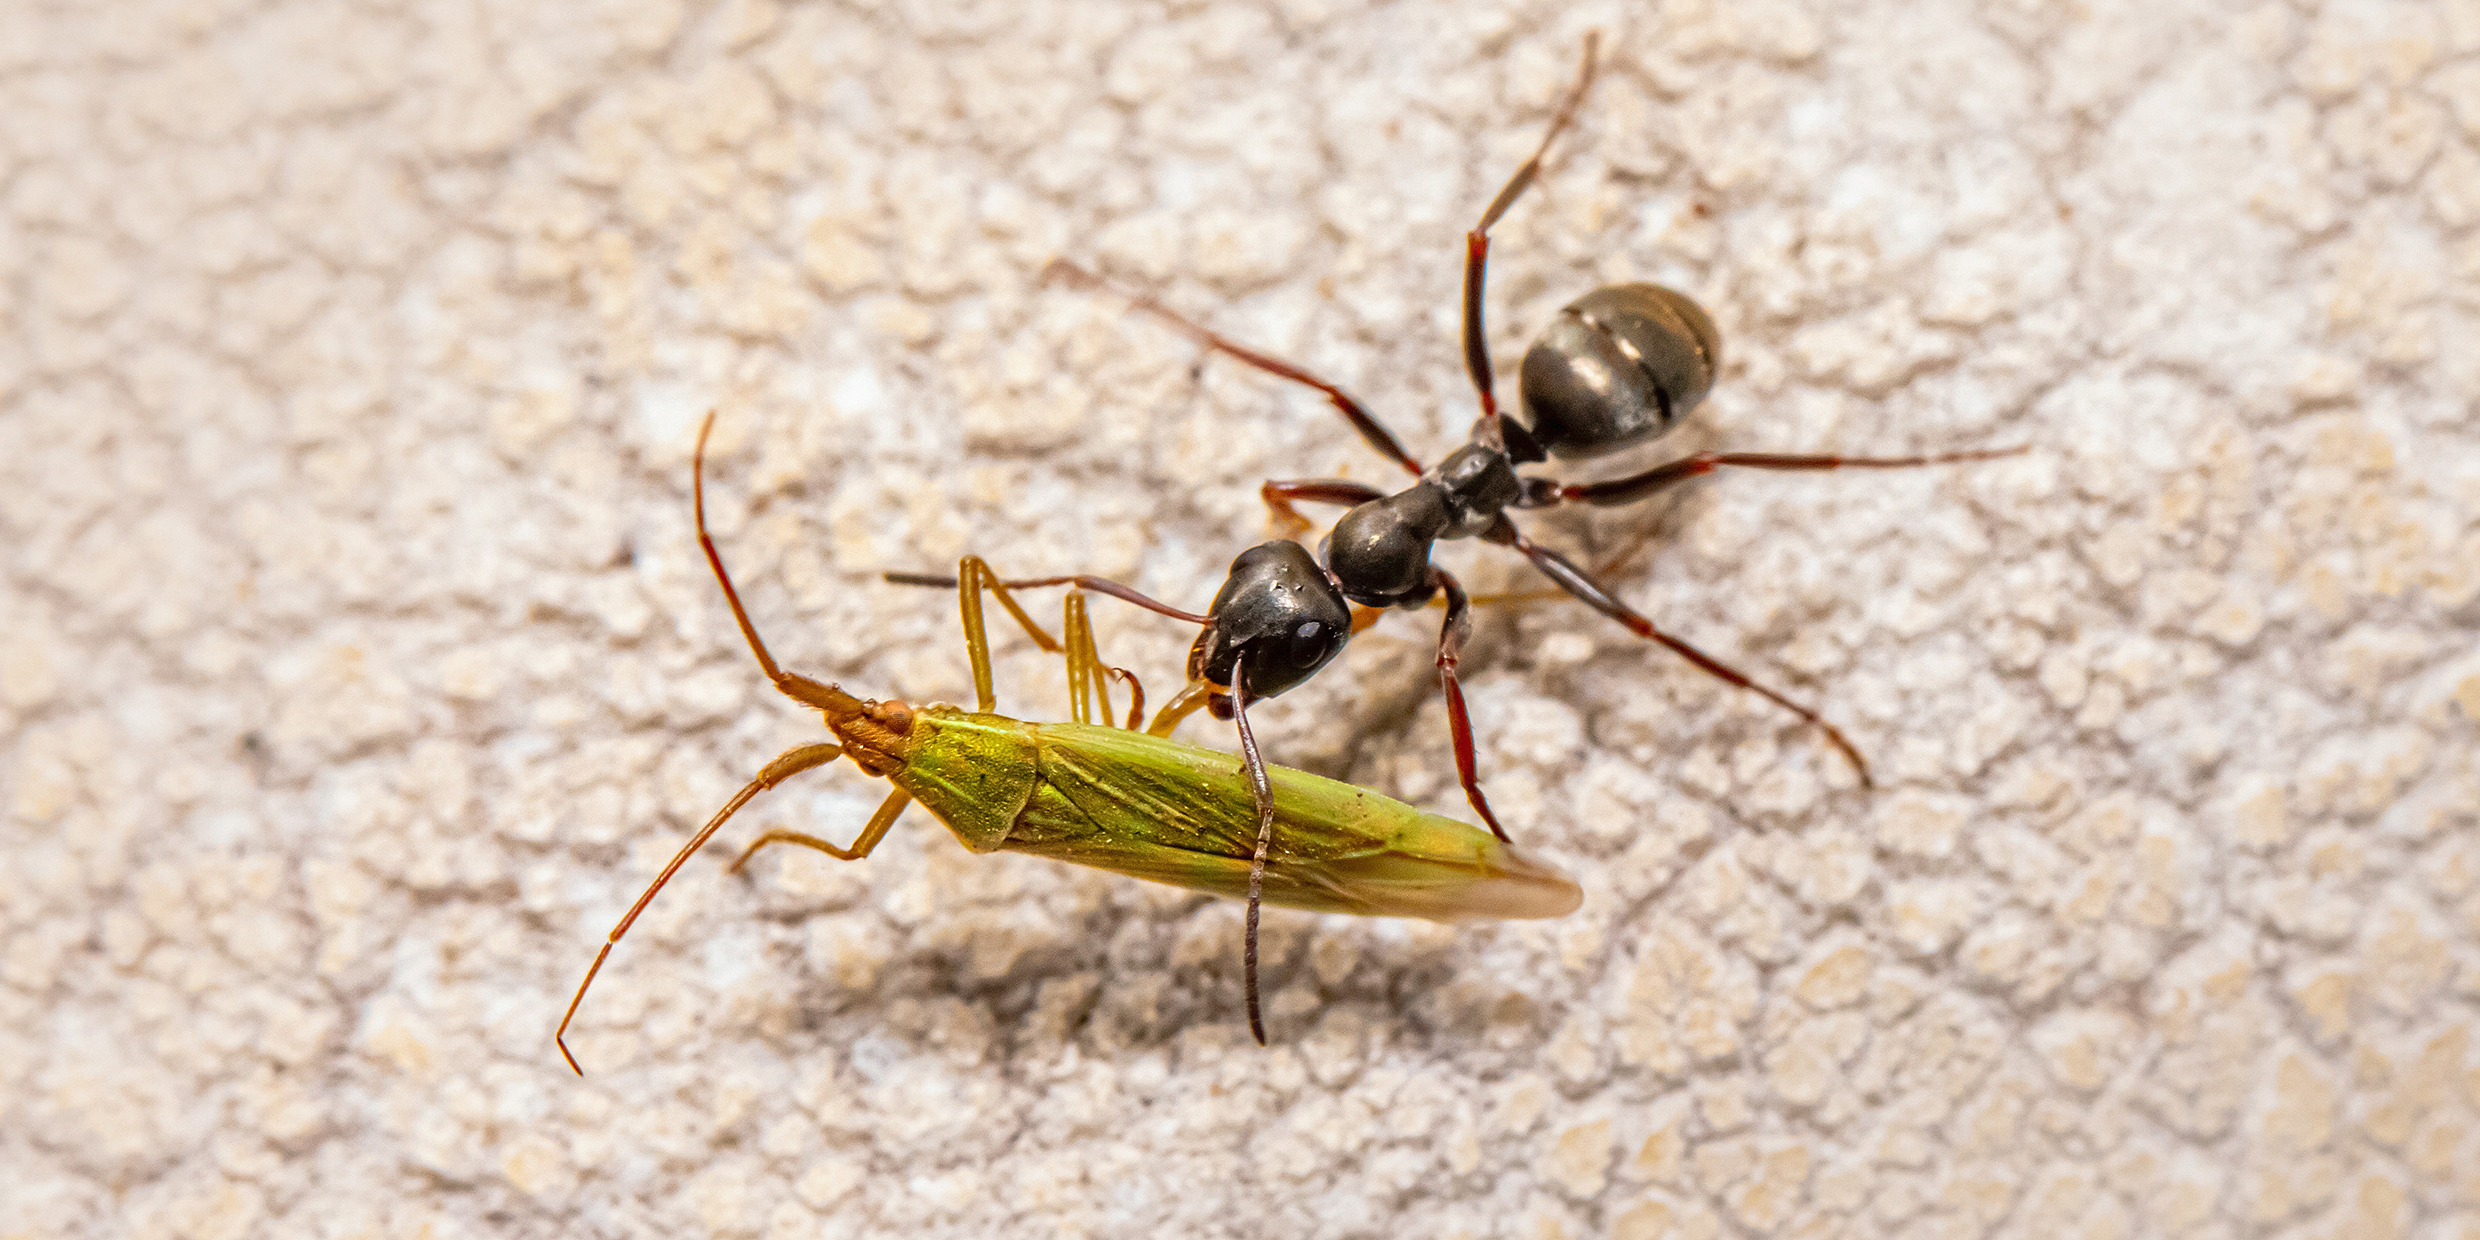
1380 550
1618 367
1277 620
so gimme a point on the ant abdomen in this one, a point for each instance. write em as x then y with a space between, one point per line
1617 367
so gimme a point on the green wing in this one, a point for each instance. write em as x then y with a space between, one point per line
1175 813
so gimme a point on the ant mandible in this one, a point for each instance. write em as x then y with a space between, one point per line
1618 367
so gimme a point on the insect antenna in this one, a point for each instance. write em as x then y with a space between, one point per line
785 766
793 685
791 762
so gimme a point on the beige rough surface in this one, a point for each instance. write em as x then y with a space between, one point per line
357 668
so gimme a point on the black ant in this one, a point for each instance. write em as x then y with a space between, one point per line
1618 367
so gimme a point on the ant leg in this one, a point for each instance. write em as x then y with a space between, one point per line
1376 436
793 685
1477 242
876 830
787 764
1451 637
1576 581
1660 477
1288 520
1634 487
1254 764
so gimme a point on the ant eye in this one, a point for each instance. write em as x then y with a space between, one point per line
1277 609
1310 642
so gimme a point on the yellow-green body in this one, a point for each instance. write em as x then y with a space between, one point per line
1158 809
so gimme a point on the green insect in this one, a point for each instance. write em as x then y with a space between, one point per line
1119 799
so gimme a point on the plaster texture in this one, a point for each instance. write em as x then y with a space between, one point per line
357 666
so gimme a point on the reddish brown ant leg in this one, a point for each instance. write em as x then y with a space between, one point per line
1451 638
1576 581
1638 486
1634 487
1281 496
1477 241
1375 435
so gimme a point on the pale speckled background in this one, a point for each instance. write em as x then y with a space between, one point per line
358 667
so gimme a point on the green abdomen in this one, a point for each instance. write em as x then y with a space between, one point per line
1175 813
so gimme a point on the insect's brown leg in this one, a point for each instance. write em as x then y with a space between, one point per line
1451 637
1477 242
1136 695
990 581
871 834
1634 487
787 764
978 645
1086 681
1086 668
976 637
974 575
1375 435
1289 522
798 687
1576 581
1255 765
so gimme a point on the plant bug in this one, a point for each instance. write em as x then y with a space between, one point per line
1119 799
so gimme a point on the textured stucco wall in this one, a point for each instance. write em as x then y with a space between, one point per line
356 665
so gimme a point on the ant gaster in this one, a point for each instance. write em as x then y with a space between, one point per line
1618 367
